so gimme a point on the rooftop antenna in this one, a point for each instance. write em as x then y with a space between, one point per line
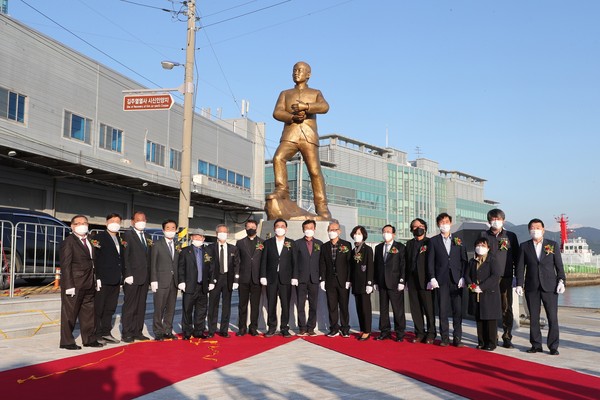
387 137
418 151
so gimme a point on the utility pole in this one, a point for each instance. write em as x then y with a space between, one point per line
188 118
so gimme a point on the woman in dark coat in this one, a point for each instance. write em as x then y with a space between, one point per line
361 279
483 281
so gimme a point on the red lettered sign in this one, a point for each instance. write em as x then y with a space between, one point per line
147 102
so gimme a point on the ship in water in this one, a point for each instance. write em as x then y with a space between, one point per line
575 251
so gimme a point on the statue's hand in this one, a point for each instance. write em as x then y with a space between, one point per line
299 118
299 106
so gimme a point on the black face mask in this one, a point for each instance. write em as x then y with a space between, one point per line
250 232
418 232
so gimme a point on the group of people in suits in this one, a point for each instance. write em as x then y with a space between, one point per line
435 271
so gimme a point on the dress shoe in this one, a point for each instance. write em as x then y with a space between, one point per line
127 339
311 332
110 339
210 335
383 336
171 336
418 339
101 341
270 333
253 332
428 341
345 334
444 343
141 338
286 333
508 344
70 347
93 344
159 338
333 333
302 332
224 334
457 343
554 352
535 350
187 337
399 339
241 332
364 336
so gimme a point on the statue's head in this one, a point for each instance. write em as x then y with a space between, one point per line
301 72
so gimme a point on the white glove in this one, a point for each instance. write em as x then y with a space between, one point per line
348 285
322 284
477 289
514 282
461 283
235 286
98 284
369 289
129 280
263 281
294 282
181 286
560 289
70 292
400 287
211 286
375 287
154 286
520 290
433 284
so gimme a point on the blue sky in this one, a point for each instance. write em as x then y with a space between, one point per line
507 91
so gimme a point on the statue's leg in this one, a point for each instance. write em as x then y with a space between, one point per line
285 151
310 152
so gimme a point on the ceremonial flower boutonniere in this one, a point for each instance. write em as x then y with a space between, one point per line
149 242
549 249
393 250
287 244
358 257
343 249
207 258
457 241
316 247
472 287
95 243
260 246
123 243
423 249
503 244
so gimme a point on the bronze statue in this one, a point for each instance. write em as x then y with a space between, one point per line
297 108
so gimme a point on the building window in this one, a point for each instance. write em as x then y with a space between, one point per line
155 153
222 174
175 160
202 167
77 127
231 177
111 138
212 170
12 105
246 182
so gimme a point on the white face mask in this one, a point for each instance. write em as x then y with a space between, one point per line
445 228
222 236
169 234
496 224
332 234
387 236
358 238
113 227
197 243
481 250
280 232
536 234
140 225
81 230
309 233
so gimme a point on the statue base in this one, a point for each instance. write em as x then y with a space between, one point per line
281 206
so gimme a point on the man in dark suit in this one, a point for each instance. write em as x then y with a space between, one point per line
136 273
389 277
504 252
446 265
540 268
194 277
276 266
109 264
164 259
305 277
334 270
77 286
421 299
225 277
250 248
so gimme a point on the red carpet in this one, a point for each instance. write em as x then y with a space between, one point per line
468 372
130 371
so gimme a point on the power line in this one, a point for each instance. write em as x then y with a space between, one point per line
248 13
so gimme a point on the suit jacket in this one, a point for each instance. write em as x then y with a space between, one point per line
163 268
136 257
362 269
306 265
108 261
505 249
541 274
187 269
340 271
76 265
250 254
391 271
233 263
416 261
440 264
271 259
488 278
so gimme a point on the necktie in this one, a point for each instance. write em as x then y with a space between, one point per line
222 260
199 263
386 249
309 243
84 241
171 248
143 239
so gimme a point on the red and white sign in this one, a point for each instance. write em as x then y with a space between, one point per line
147 102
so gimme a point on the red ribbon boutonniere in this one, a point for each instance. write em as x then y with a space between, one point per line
260 246
393 250
358 257
316 247
549 249
343 249
95 243
207 258
123 243
503 244
287 244
423 249
457 241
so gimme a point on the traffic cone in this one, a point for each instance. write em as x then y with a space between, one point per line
57 278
